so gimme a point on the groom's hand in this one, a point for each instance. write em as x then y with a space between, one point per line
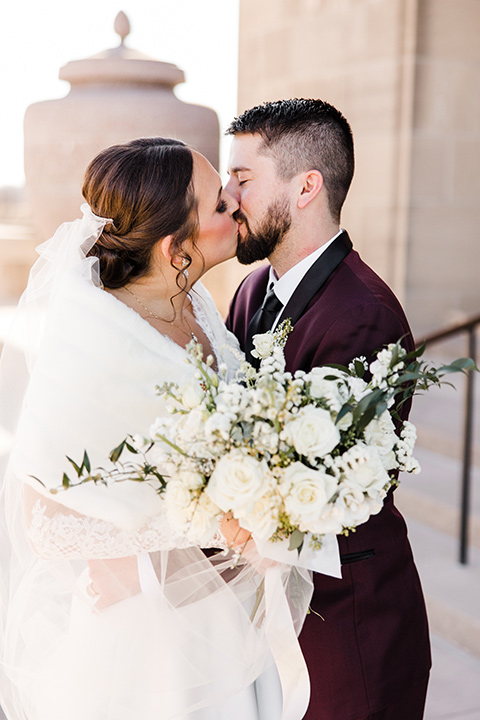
112 580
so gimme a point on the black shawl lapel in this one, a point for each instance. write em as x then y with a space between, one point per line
316 277
309 285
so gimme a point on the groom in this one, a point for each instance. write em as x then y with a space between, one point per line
291 165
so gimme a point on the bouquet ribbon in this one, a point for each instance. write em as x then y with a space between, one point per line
325 560
285 649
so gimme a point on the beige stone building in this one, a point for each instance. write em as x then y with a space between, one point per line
406 73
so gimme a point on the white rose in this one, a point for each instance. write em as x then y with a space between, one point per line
380 432
363 468
238 481
306 493
312 433
263 345
192 394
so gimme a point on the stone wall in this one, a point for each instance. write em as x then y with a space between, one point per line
406 75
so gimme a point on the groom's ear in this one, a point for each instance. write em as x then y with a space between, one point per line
311 183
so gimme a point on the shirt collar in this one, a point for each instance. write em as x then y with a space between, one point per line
286 285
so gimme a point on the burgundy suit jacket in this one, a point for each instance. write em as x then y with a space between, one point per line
371 643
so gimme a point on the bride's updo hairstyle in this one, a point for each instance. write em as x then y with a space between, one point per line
145 187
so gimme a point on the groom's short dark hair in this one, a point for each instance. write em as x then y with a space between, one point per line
303 135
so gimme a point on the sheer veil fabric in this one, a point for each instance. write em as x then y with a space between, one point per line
79 372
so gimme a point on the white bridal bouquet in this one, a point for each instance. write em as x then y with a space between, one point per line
290 456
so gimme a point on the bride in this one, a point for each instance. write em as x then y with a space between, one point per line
105 613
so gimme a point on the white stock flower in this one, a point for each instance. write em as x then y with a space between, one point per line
238 481
312 432
362 468
263 344
231 398
380 432
265 437
219 424
162 426
306 492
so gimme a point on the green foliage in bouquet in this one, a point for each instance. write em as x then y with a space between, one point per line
288 456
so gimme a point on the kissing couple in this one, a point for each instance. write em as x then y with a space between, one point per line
107 613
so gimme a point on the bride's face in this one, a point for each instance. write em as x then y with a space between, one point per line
217 230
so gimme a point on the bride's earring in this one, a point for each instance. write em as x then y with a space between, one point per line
183 262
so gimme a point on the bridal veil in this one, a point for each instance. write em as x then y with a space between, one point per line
79 372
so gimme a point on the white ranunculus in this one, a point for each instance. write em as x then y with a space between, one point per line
192 394
262 520
238 481
177 493
380 432
205 521
190 479
190 426
363 468
178 501
306 493
333 391
345 421
352 505
358 387
312 433
263 344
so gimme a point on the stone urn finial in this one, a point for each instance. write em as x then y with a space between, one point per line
122 26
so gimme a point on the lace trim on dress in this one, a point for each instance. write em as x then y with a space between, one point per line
65 535
203 321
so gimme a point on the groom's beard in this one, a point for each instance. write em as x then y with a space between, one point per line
260 244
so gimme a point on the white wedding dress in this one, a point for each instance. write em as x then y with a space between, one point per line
184 649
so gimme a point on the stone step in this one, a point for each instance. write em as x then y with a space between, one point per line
434 496
452 591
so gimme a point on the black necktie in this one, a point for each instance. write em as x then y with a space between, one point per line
263 320
268 312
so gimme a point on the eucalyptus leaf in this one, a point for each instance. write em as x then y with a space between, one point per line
296 540
116 452
359 368
86 462
77 468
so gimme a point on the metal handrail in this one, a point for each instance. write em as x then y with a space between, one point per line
469 326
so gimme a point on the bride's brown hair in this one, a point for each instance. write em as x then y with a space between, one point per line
145 187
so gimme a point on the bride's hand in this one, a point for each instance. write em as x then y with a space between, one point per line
112 580
235 535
